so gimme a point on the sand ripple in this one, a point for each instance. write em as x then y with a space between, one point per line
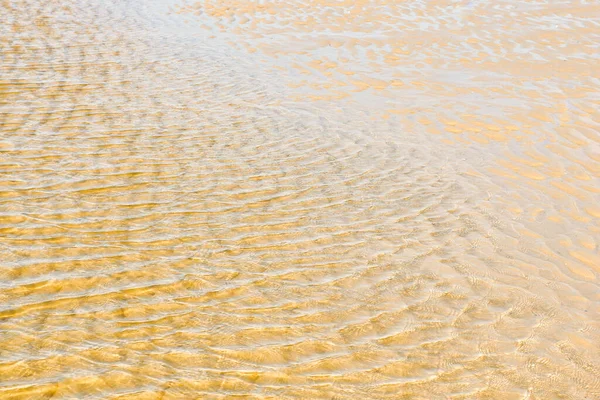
177 222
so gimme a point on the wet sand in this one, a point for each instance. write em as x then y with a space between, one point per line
299 200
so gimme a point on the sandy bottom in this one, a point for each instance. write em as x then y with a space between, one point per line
299 200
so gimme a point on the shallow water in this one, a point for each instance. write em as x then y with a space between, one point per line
316 200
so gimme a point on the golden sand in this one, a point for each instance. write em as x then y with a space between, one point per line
299 200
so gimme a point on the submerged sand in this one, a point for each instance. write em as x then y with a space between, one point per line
299 199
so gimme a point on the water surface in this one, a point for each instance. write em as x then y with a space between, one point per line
284 200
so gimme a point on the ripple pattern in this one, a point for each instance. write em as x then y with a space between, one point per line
173 225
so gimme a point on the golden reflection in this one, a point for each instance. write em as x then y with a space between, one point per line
360 199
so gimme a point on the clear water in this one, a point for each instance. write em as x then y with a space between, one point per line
299 199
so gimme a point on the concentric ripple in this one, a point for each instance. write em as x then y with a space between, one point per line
179 220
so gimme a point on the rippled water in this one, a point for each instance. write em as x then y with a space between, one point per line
299 199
